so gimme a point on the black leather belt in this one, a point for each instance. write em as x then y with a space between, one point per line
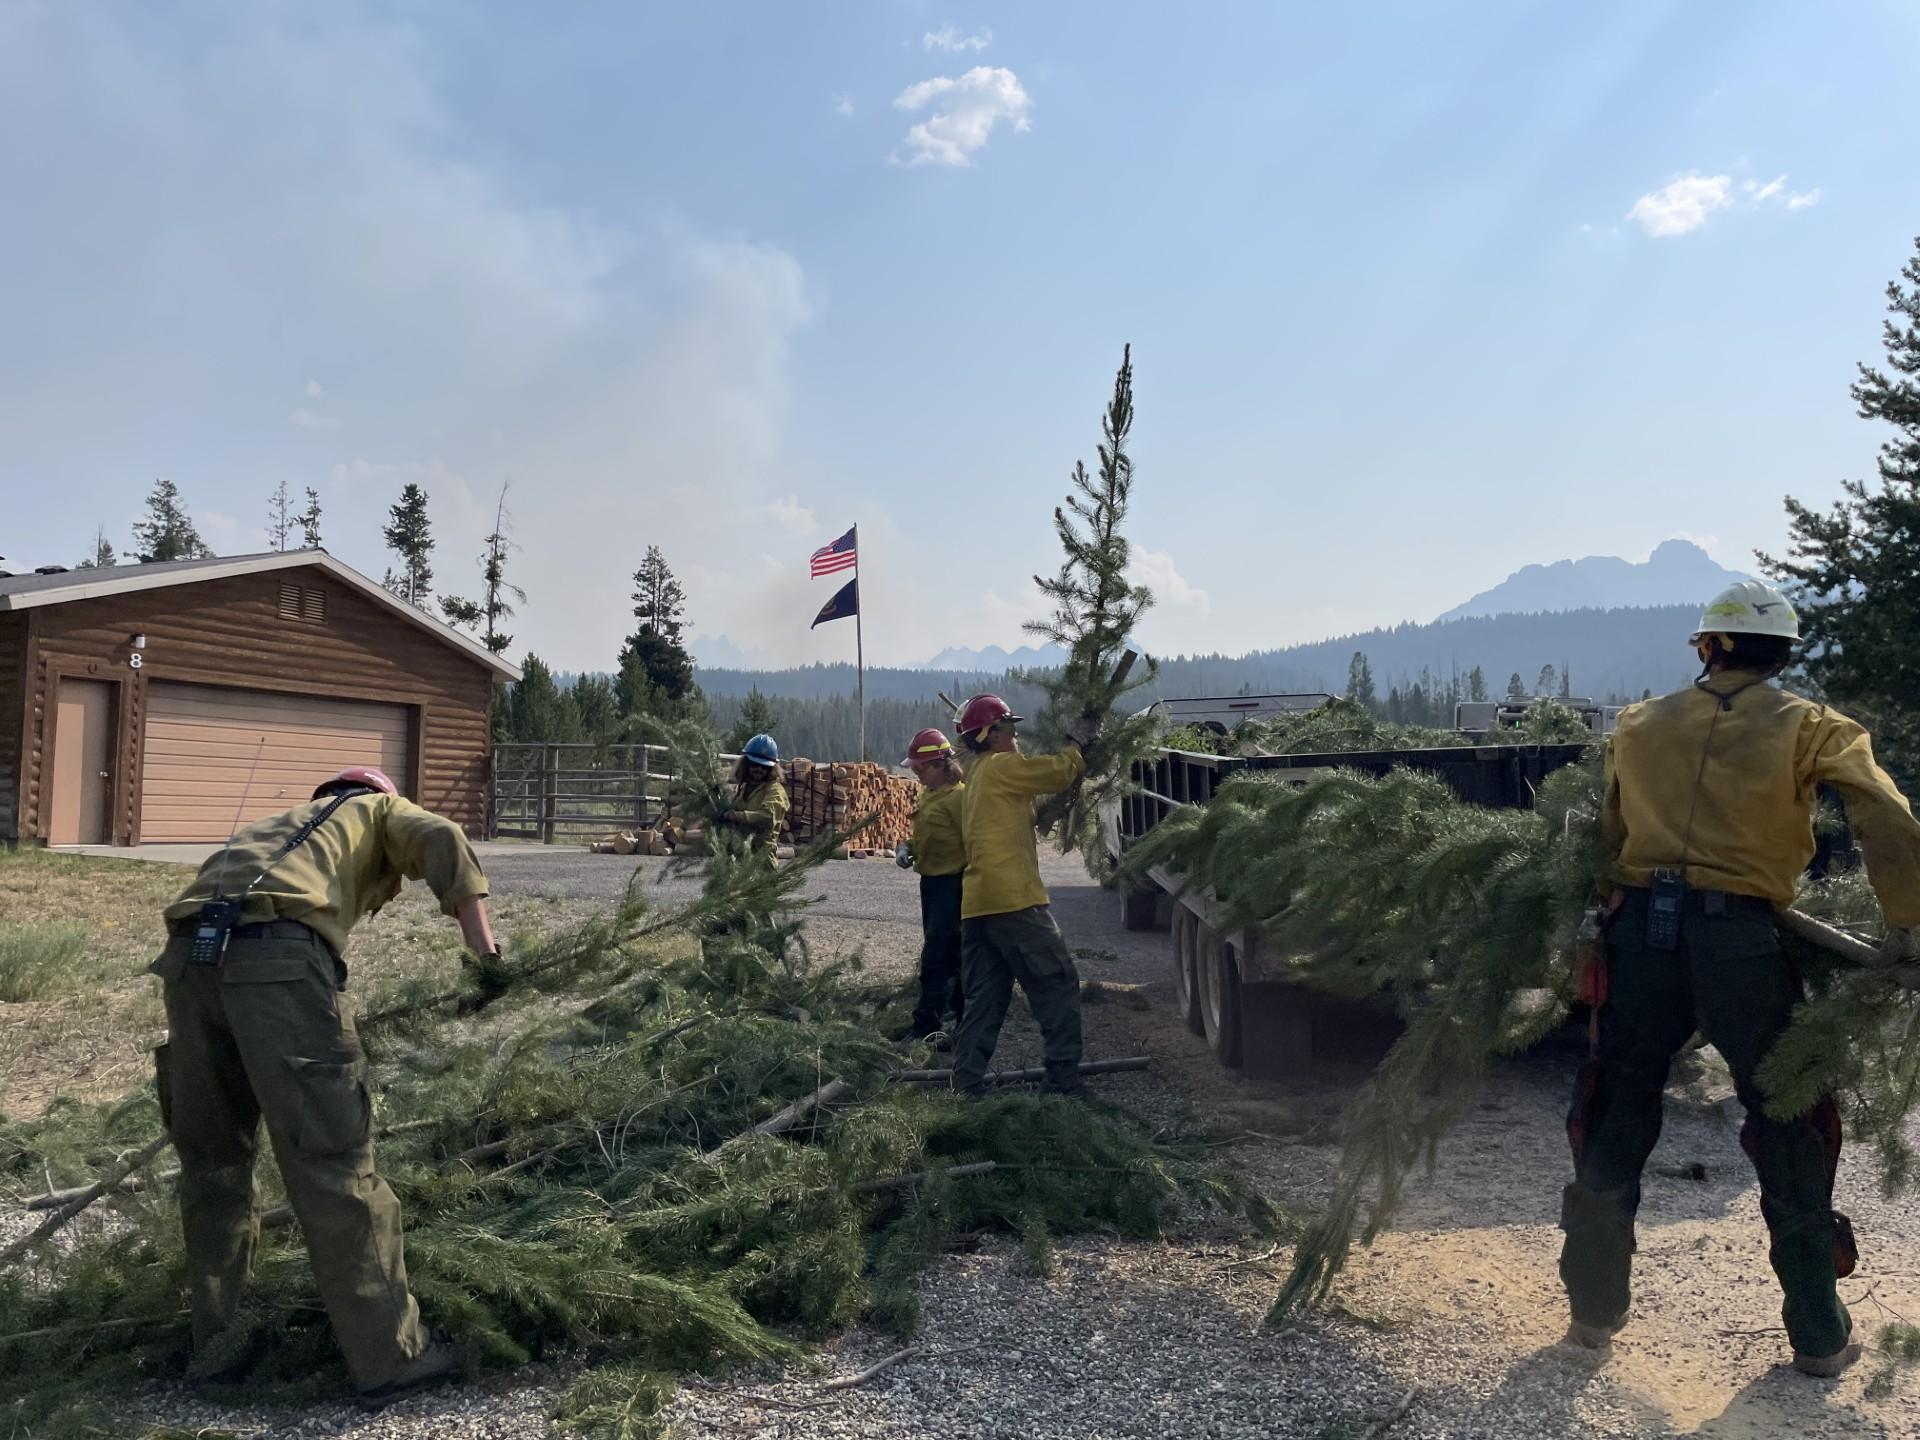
1712 902
263 930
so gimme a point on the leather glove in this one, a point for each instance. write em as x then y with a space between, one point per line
726 817
1082 730
903 855
485 971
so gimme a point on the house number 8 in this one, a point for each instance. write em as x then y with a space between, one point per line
133 661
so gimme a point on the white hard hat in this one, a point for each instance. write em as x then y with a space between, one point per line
1748 608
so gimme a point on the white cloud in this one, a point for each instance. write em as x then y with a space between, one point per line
1172 591
965 112
314 390
1681 206
790 515
843 104
949 38
1776 189
307 419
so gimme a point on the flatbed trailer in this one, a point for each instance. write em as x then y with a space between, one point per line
1229 983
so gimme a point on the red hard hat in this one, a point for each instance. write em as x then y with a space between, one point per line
357 775
983 712
929 744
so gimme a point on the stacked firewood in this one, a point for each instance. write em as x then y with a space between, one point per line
828 798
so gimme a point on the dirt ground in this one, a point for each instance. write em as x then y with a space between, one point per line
1460 1306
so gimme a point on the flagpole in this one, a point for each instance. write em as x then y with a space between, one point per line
859 646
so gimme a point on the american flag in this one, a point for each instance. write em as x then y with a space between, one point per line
840 555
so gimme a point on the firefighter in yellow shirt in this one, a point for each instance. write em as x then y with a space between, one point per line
938 851
760 802
257 1029
1007 928
1709 811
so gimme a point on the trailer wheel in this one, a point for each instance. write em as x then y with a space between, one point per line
1219 987
1186 988
1137 905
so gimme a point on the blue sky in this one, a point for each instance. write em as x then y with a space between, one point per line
1417 293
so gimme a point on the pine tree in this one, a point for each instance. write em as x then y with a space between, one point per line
498 597
533 712
1360 682
167 532
1477 684
1548 681
410 536
1854 570
1566 682
103 557
757 717
655 651
593 697
1516 687
309 521
280 517
1095 611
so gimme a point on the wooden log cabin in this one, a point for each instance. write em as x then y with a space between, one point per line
144 703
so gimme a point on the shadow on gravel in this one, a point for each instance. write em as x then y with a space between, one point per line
1548 1386
1781 1403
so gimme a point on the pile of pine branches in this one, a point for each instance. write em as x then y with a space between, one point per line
654 1142
1468 919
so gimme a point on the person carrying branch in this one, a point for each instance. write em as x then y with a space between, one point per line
760 804
1007 930
938 851
1709 811
257 1029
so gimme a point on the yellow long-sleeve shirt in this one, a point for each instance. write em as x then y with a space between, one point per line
347 869
996 816
939 847
1727 789
763 810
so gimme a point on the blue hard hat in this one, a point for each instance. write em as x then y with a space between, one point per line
762 750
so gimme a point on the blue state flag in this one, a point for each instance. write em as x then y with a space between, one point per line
845 603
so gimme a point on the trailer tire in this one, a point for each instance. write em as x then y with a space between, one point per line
1219 989
1186 978
1138 904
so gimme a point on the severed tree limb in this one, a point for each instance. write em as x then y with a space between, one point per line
848 1382
779 1124
1392 1418
1833 940
110 1181
1020 1077
902 1182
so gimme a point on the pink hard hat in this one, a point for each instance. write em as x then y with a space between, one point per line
357 777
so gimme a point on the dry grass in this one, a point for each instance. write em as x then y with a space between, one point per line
84 1028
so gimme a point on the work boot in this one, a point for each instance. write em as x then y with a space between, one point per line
434 1365
1827 1367
1592 1339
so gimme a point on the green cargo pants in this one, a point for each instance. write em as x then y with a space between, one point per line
268 1035
996 950
1729 980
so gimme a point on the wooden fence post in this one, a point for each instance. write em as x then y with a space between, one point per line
549 784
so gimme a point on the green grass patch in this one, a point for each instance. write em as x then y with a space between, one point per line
41 958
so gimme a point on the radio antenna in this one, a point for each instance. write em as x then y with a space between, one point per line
220 880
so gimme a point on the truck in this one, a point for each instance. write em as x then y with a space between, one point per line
1224 713
1229 984
1482 717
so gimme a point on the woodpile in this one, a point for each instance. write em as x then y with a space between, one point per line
662 839
830 797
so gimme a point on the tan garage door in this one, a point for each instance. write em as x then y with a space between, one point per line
202 741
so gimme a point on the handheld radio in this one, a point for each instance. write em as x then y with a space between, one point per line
219 915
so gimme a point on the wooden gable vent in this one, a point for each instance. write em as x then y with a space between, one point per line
297 603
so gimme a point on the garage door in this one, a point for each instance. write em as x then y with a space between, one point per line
201 743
